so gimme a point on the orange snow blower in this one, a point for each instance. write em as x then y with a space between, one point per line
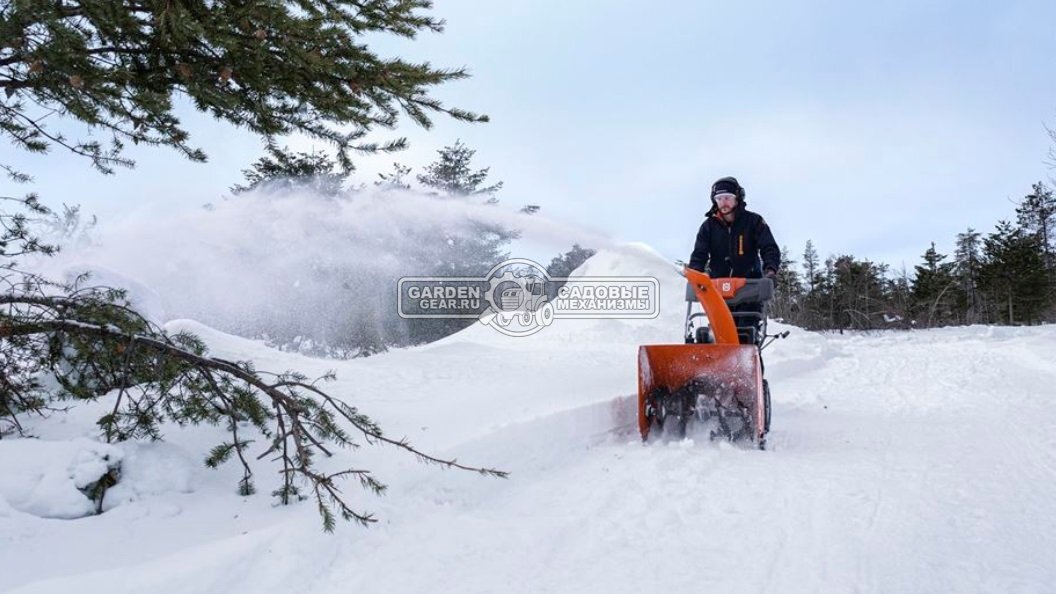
716 376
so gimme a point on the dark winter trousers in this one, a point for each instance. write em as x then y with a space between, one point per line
748 321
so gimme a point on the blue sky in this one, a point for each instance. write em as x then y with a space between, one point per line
871 128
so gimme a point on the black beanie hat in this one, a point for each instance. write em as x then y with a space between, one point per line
727 185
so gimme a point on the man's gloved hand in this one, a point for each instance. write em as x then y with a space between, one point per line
770 273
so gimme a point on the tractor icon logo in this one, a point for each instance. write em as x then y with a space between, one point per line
519 303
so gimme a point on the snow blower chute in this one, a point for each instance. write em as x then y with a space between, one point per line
716 376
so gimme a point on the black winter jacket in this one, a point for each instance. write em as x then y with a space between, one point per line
734 249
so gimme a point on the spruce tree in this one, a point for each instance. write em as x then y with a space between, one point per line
934 289
1036 214
470 249
967 261
789 290
476 251
283 171
1013 275
452 174
810 265
857 299
394 180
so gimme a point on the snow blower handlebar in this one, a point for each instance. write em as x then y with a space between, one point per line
736 291
712 299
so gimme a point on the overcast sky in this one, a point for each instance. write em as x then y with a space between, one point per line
871 128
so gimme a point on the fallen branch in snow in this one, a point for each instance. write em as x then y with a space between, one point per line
84 344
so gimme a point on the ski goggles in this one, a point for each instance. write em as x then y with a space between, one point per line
725 197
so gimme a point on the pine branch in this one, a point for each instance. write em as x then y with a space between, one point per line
206 388
293 66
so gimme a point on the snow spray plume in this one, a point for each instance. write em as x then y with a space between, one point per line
303 269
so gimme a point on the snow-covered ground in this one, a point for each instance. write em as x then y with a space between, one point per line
905 462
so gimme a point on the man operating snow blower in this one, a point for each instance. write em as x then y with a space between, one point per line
716 376
735 242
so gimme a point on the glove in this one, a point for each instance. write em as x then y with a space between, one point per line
770 273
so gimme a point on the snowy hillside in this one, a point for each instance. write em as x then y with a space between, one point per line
903 462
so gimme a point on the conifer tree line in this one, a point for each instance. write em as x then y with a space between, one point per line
1006 276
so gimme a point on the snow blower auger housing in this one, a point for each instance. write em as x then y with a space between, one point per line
716 376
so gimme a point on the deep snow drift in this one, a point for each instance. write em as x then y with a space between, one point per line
901 462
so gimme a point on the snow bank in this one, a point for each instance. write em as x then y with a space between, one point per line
46 479
146 301
49 479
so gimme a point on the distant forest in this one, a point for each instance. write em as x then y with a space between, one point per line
1006 276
